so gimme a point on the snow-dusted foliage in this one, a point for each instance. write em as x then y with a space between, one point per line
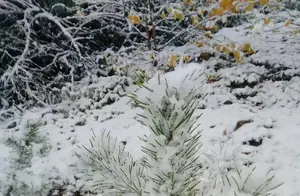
170 165
95 52
173 163
44 47
27 146
102 91
292 4
112 168
39 53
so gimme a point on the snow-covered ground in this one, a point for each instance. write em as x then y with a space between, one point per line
246 118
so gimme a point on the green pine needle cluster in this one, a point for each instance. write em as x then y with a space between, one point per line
121 175
24 147
240 182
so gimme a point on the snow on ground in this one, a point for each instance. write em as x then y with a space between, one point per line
246 118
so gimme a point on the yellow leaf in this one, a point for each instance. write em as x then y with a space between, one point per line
267 21
195 20
223 49
200 44
208 34
211 78
237 56
202 27
263 2
232 45
220 48
216 12
178 15
287 22
186 59
169 10
250 6
163 15
246 48
135 19
150 56
227 5
227 50
213 28
173 60
187 2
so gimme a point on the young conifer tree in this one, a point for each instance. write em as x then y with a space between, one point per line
171 166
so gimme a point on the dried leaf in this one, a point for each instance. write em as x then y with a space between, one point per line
195 20
208 34
237 56
267 21
173 61
216 12
163 15
202 27
135 19
227 5
246 48
187 2
223 49
287 22
250 6
213 28
186 59
220 48
150 56
178 15
263 2
200 44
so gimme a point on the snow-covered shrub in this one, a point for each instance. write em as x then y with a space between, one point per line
101 90
38 54
41 50
173 163
243 182
27 146
170 165
110 168
292 4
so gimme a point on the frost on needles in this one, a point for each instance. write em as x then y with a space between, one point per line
173 163
170 166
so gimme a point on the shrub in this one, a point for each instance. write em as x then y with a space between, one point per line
173 164
28 146
46 45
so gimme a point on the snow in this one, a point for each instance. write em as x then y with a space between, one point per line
271 109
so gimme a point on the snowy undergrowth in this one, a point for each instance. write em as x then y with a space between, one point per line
66 129
28 146
250 117
174 163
